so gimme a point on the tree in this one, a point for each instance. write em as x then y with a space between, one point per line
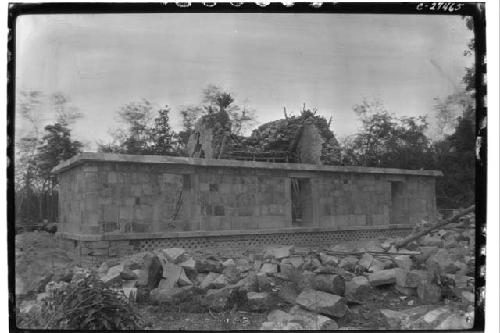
135 138
66 114
143 134
454 107
387 141
56 146
216 100
455 153
164 139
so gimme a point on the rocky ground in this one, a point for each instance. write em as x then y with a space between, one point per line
428 284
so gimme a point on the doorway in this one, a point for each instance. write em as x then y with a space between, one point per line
302 205
399 203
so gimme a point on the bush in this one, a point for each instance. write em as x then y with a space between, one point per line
89 304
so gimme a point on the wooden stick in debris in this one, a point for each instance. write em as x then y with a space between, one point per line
419 234
358 253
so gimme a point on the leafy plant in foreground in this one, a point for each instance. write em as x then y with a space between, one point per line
89 304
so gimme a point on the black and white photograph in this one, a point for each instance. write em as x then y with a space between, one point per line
230 166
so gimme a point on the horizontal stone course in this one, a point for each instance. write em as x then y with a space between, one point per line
155 159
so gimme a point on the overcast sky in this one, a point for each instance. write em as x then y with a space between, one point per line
328 61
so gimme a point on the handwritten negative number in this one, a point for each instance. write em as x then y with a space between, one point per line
443 6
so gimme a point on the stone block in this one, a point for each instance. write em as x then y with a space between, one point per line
269 268
357 288
278 252
429 293
330 283
322 302
386 276
259 301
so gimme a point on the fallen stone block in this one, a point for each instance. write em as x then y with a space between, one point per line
428 292
394 318
188 264
232 274
349 261
183 279
288 294
410 279
279 316
243 265
217 299
330 283
294 260
467 296
304 280
259 301
358 288
170 295
278 252
311 264
113 275
171 273
312 321
444 260
287 270
329 259
257 264
407 291
387 276
269 268
142 277
457 321
153 268
322 302
414 277
248 283
175 254
377 265
127 274
264 282
214 281
366 260
404 262
228 262
208 265
103 269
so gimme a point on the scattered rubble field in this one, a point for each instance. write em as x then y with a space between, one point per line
427 284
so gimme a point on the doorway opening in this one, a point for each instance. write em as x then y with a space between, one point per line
301 201
399 203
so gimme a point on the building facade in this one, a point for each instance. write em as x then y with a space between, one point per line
135 199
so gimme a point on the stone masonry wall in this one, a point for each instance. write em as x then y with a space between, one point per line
367 200
101 198
242 199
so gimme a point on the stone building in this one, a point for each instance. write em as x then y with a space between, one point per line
111 204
